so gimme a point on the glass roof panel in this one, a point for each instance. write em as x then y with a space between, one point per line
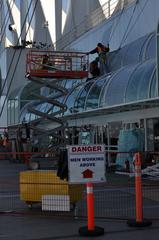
151 48
130 83
153 87
115 93
143 89
93 95
38 106
32 117
133 52
128 54
43 107
68 84
71 99
26 92
56 108
115 58
49 106
80 101
139 82
27 117
71 83
103 91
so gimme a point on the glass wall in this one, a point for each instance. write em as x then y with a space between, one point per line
153 86
12 111
153 134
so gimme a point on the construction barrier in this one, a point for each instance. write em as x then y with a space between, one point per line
139 221
90 206
117 198
90 229
35 184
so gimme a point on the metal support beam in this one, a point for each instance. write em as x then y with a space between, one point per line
157 58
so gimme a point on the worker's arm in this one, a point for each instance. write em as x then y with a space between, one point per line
93 51
107 48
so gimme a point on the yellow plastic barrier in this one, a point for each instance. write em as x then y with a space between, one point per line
35 183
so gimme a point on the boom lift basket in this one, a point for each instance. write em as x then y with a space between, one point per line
55 64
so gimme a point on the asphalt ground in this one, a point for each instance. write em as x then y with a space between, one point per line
17 222
33 227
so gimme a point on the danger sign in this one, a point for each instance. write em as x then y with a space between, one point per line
86 163
94 148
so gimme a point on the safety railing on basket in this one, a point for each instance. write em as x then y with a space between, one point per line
57 64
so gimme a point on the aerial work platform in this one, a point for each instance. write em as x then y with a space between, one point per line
55 64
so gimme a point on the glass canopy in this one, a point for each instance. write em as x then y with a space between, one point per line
132 79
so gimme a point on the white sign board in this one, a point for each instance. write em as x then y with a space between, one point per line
86 163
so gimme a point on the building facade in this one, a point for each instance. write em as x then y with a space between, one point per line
120 108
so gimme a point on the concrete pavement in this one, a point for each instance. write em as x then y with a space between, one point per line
35 227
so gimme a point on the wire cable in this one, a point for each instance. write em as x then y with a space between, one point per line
19 54
3 86
6 18
28 21
128 32
6 14
130 20
1 10
114 28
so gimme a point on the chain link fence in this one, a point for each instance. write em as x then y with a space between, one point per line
22 188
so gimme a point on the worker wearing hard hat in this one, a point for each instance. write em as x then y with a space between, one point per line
101 50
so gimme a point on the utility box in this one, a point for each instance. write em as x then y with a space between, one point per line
35 184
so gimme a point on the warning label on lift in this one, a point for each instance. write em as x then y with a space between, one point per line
86 163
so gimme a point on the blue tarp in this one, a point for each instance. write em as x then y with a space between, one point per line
130 141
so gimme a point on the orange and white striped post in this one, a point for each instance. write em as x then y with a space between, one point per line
90 229
138 222
138 188
90 206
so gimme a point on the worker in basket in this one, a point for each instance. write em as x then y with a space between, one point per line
46 64
101 50
94 69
